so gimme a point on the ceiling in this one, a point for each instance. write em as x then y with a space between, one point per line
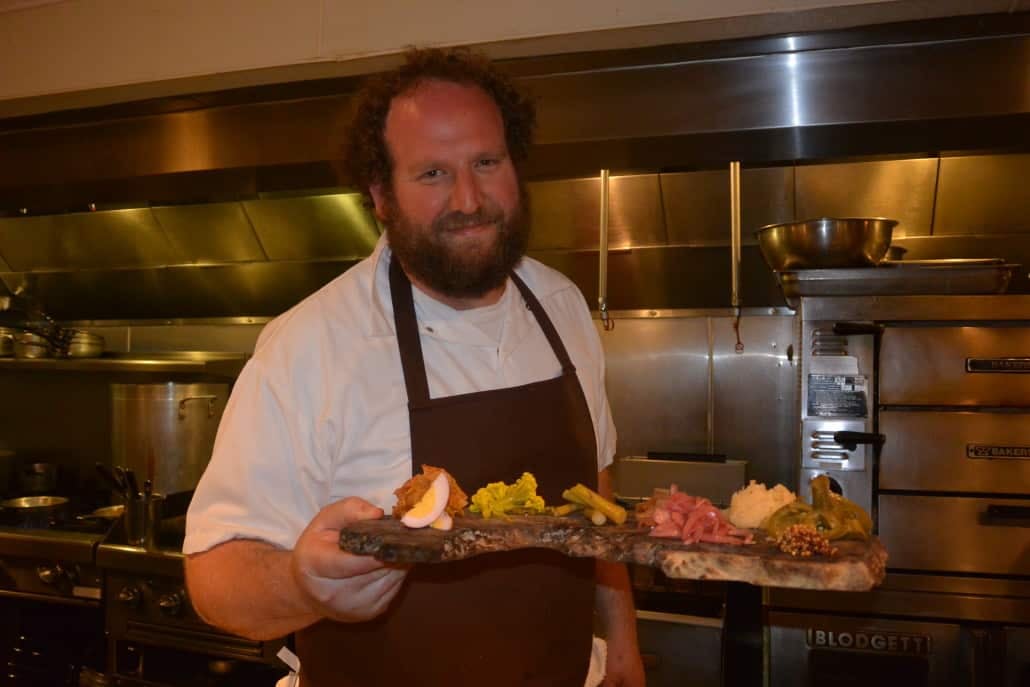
11 5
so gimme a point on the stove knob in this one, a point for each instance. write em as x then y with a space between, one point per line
130 596
51 574
171 604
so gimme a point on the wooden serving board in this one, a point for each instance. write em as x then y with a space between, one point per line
858 566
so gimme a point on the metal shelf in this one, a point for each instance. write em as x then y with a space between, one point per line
220 364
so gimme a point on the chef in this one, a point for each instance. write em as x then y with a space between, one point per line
445 347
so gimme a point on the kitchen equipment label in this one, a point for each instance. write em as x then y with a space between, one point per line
870 640
1002 365
997 452
836 395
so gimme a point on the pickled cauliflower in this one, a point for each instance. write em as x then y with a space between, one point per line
498 499
754 503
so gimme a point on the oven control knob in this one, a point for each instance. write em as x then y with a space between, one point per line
130 596
171 604
51 574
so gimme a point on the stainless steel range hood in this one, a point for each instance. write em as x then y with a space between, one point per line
234 209
252 257
668 232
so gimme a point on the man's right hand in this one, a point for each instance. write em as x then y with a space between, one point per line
336 584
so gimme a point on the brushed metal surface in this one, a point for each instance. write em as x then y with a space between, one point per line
927 366
983 194
246 289
955 540
211 232
791 655
334 226
212 138
165 432
697 203
929 451
669 277
917 308
902 190
927 595
235 338
86 240
899 279
564 213
755 400
657 377
596 101
785 90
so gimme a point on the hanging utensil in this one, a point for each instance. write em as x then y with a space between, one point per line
602 281
735 250
132 484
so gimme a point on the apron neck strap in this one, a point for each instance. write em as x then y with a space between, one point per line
412 361
545 324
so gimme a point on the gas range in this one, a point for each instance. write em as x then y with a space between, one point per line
56 564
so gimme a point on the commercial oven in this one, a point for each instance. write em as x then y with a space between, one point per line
918 408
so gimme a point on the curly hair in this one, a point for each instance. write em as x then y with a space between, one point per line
366 159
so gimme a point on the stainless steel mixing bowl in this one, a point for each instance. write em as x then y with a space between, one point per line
825 243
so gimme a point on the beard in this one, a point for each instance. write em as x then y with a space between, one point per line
437 257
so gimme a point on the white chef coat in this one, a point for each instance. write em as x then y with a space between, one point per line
320 411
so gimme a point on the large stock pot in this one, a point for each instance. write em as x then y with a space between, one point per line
165 432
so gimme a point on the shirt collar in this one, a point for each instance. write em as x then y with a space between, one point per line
378 285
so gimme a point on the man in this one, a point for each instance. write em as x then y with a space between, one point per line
445 347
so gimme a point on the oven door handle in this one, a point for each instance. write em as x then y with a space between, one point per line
1006 516
851 440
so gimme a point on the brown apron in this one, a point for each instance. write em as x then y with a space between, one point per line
504 619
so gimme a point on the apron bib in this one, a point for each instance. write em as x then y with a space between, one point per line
519 618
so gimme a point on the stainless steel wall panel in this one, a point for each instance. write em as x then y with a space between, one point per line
956 452
116 337
326 226
697 204
673 277
211 232
897 189
566 214
961 539
930 366
755 396
983 195
87 240
236 338
657 380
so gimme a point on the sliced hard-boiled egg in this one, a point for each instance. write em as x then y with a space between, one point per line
431 505
444 522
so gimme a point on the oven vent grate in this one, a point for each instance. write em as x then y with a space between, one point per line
825 342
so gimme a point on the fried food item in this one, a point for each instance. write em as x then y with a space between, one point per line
412 491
